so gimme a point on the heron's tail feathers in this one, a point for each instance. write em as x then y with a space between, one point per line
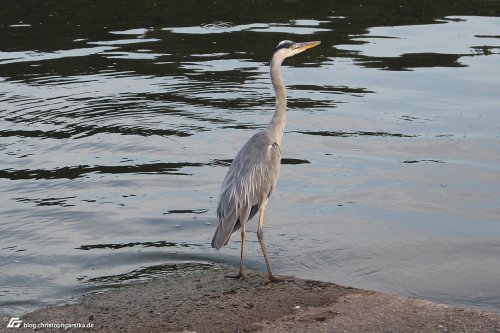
217 241
221 236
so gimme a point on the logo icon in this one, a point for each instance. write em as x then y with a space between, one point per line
14 322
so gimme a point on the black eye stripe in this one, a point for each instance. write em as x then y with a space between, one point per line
286 44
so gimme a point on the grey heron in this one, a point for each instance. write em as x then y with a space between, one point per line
254 172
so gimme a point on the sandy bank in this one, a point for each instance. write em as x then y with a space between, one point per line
206 301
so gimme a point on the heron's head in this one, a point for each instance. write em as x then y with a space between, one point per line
287 48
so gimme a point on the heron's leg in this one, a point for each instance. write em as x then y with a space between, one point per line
260 236
241 275
243 237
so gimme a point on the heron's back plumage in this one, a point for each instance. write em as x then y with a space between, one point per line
250 180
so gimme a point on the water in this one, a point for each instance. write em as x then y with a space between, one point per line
119 119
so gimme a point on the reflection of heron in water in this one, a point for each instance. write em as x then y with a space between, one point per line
254 172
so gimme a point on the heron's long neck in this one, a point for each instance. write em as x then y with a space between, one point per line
277 124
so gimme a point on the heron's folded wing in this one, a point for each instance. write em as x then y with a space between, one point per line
250 180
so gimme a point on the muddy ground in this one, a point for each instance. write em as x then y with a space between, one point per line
207 301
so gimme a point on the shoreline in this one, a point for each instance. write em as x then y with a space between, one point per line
206 301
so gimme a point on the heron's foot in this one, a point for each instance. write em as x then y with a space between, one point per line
280 278
239 276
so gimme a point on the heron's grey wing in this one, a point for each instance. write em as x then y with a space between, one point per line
250 180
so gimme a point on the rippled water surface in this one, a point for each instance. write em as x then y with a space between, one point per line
119 119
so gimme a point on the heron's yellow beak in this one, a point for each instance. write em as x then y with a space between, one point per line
299 47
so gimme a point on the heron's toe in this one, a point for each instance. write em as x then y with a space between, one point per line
240 276
280 278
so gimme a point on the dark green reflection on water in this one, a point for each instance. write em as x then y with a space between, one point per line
81 170
60 25
133 244
146 273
